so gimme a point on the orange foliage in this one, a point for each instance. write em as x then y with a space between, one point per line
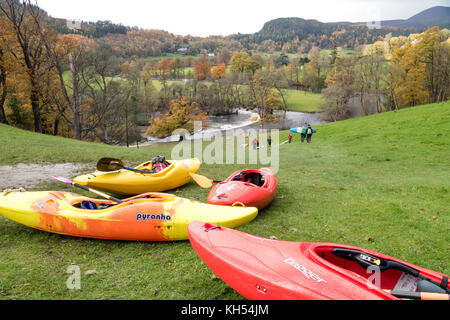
219 71
202 68
182 115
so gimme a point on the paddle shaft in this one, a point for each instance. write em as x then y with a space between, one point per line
97 192
111 164
419 295
134 170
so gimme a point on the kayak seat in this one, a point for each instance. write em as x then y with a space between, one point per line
88 205
252 177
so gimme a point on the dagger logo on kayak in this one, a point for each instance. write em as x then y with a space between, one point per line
307 273
158 217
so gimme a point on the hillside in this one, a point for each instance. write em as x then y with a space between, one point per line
439 16
21 146
378 182
324 35
327 35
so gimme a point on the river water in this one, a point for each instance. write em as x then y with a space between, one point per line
242 121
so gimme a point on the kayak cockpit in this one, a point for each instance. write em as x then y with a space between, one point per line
94 204
252 177
376 271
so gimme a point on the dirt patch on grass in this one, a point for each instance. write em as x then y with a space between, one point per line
30 175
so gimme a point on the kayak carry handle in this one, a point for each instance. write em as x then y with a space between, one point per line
238 204
212 228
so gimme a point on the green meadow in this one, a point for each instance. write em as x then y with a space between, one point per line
379 182
296 100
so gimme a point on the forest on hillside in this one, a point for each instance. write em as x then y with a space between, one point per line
101 81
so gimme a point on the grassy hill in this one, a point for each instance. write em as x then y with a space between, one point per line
377 182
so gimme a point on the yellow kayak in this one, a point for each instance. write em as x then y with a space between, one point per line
147 217
126 182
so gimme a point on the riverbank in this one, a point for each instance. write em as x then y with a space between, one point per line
241 122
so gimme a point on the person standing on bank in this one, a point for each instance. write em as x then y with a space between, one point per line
303 133
254 143
309 133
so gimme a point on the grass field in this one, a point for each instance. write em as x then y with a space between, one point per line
303 101
379 182
296 100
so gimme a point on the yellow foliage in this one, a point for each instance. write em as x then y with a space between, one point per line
182 115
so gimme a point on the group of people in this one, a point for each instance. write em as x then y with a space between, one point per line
306 133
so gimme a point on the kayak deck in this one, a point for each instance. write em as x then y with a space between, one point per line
266 269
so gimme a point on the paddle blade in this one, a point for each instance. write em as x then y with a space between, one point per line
202 181
62 179
109 164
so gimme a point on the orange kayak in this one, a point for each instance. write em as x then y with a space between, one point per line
147 217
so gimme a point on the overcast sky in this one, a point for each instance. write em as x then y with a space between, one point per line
210 17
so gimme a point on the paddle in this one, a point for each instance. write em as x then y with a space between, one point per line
101 194
418 295
111 164
203 181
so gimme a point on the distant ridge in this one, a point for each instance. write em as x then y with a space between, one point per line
436 16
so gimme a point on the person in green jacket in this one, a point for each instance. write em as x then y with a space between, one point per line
303 133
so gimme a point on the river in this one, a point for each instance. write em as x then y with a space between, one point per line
242 121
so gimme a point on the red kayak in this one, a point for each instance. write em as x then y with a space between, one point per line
252 188
265 269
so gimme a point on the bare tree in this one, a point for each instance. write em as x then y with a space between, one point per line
340 91
102 92
4 90
31 54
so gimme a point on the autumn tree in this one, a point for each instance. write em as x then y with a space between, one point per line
202 68
241 62
435 52
29 49
313 76
3 88
339 91
102 94
182 114
411 78
369 72
224 56
219 71
69 51
262 95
